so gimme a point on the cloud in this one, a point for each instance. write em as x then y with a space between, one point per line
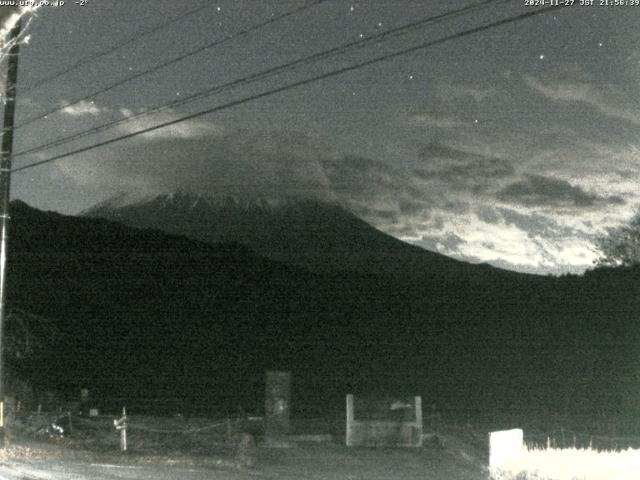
237 163
479 241
539 190
489 203
374 190
404 230
447 244
534 223
83 108
461 197
435 119
451 202
460 168
447 92
139 121
180 130
361 175
584 93
503 243
224 164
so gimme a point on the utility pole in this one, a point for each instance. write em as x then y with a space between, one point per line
5 184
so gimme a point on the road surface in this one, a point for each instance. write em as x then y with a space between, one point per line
67 470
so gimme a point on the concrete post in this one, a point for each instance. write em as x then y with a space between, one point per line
277 409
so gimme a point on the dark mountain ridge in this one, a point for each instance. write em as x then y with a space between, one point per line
146 315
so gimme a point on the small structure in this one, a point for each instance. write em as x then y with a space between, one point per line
384 422
277 408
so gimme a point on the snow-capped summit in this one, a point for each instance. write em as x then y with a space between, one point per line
180 199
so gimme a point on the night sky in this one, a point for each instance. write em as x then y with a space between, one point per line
515 146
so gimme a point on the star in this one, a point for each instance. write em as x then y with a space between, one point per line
600 44
542 57
410 77
352 8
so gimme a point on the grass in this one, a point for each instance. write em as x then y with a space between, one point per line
573 464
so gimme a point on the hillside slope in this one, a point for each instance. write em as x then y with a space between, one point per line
149 315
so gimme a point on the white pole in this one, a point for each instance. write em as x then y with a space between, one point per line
123 432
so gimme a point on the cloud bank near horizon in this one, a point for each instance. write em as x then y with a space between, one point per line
462 197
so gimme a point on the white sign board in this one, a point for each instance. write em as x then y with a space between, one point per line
504 447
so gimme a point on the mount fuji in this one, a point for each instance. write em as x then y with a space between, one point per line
319 235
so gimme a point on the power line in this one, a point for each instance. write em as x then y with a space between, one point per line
298 84
215 43
268 73
91 58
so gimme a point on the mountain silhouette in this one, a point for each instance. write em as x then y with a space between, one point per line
315 234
